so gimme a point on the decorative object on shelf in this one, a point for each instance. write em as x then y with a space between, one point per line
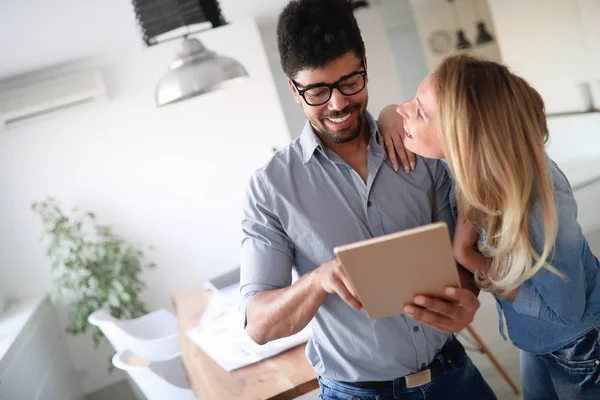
359 4
462 43
92 267
483 36
461 40
440 41
195 69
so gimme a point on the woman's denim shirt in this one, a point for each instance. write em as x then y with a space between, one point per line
549 311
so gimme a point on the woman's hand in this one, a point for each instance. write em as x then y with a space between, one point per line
391 131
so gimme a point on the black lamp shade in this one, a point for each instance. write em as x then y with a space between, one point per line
156 17
483 36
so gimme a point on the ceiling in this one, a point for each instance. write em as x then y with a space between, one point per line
35 34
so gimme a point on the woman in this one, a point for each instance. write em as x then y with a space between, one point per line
489 127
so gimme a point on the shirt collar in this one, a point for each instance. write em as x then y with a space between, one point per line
309 141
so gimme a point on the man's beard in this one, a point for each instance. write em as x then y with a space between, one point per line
354 133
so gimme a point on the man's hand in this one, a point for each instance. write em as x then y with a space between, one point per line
391 131
333 279
445 316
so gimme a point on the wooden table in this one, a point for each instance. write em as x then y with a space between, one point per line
285 376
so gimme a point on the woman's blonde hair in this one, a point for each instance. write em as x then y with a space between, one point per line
492 129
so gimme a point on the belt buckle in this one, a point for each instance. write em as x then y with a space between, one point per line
418 378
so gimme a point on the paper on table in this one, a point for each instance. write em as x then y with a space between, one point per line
221 334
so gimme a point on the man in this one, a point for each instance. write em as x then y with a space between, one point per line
330 187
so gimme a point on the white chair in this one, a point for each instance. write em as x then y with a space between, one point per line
152 336
158 380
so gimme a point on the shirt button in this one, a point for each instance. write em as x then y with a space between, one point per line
368 204
416 328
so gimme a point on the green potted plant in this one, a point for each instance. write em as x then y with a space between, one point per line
92 267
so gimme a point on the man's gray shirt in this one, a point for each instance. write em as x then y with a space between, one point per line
308 200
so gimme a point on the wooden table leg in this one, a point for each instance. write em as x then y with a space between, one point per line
493 359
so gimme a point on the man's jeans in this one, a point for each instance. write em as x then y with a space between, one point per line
572 372
461 381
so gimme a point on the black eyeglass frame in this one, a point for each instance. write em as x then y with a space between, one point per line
334 85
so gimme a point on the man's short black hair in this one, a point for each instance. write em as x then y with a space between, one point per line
310 33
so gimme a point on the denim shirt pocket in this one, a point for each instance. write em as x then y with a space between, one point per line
528 301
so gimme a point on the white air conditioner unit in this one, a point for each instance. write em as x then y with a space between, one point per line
27 96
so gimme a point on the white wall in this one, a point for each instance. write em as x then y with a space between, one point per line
171 177
545 42
594 241
590 17
405 45
384 84
294 117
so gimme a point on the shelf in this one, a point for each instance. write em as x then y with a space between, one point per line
14 318
572 113
589 182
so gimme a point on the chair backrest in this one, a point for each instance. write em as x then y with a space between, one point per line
152 336
108 324
158 380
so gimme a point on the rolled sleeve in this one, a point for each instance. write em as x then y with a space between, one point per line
267 252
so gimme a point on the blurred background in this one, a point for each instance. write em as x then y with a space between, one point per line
81 121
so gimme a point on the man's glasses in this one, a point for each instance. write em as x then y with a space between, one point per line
317 95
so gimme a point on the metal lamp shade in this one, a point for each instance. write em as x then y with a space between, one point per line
196 71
